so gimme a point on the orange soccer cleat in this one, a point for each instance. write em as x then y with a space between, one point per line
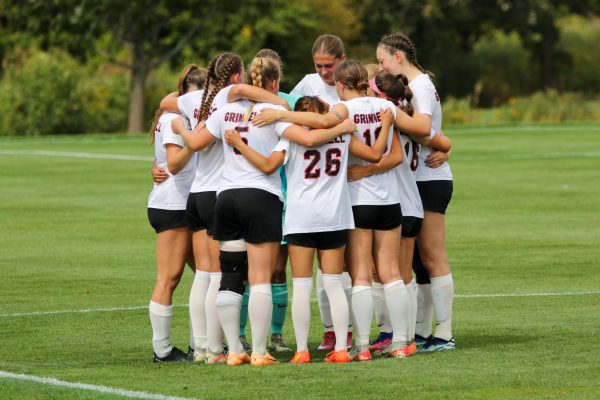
340 356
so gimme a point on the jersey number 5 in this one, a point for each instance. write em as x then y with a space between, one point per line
241 129
333 163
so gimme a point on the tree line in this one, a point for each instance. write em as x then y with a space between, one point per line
486 50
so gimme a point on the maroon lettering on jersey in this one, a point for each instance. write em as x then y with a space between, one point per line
437 97
196 111
158 126
233 117
367 118
339 139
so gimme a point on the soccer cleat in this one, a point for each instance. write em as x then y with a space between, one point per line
175 355
364 355
301 357
214 358
199 355
422 341
245 344
349 341
412 348
234 359
278 344
328 342
190 354
340 356
258 361
383 340
397 352
438 344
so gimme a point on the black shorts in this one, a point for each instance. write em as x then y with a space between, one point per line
163 220
435 195
201 211
250 214
381 218
319 240
411 226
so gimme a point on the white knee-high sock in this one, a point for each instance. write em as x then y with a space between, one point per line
382 317
160 319
412 294
197 310
301 311
442 293
339 308
260 311
362 314
214 332
396 297
323 300
228 308
424 310
347 282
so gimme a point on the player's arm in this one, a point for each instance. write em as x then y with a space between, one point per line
159 175
436 141
266 165
373 154
199 139
317 137
177 157
310 119
389 161
250 92
169 102
417 125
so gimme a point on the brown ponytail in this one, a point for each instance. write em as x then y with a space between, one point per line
353 75
396 89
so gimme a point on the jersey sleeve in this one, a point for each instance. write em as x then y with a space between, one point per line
424 97
214 124
300 89
169 137
283 145
281 126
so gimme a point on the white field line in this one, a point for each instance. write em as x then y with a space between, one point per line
457 296
85 386
75 154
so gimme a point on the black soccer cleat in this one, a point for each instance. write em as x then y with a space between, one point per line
175 355
190 354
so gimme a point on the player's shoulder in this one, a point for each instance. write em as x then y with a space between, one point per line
422 82
168 116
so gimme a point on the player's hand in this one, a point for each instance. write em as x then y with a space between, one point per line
266 117
387 116
356 172
233 138
201 125
436 159
347 126
178 126
159 175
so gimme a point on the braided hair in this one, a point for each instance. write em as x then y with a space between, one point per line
400 42
220 70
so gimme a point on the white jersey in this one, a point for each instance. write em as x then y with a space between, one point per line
379 189
313 85
210 159
171 194
410 200
426 101
238 172
317 187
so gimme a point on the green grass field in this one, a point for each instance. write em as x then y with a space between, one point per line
525 219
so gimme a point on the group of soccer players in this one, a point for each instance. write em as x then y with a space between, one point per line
360 165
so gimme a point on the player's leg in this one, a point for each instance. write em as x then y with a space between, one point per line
279 288
171 249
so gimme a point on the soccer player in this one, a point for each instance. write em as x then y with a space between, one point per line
327 53
166 213
397 54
